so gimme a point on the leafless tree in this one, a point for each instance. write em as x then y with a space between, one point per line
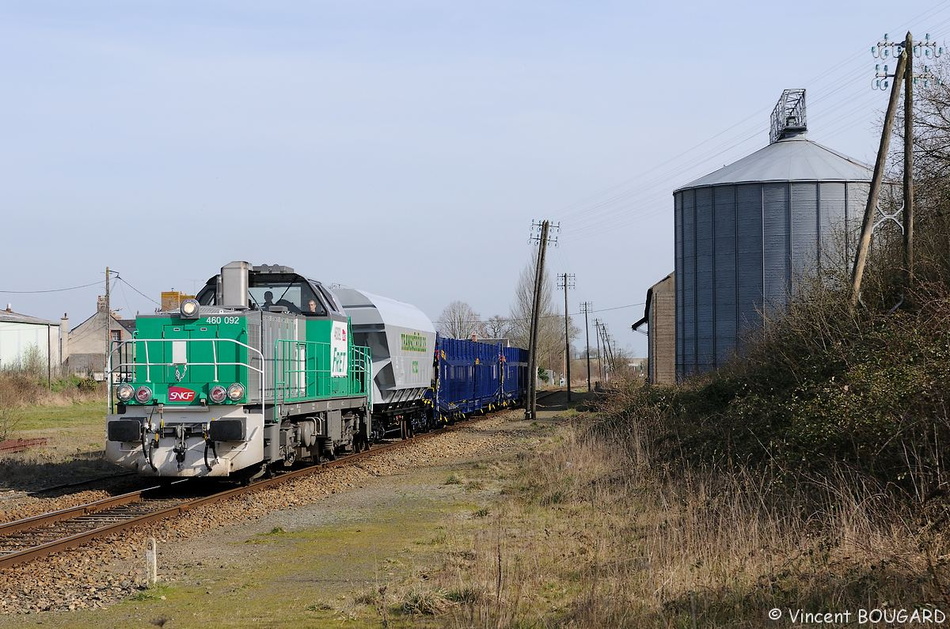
497 327
459 320
550 321
931 173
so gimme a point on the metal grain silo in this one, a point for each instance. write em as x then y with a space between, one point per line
750 232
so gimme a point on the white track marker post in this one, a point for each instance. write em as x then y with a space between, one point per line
151 561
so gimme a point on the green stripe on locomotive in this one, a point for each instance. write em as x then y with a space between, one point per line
181 360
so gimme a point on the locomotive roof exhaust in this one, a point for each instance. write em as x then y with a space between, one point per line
234 284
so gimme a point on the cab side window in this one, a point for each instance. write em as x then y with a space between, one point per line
313 306
330 299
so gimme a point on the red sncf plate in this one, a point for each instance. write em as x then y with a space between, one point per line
180 394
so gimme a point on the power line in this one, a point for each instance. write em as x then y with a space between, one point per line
122 279
556 315
647 194
50 290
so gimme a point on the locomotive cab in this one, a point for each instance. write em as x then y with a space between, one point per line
277 289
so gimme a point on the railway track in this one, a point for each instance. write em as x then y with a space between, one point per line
87 482
31 538
38 536
19 445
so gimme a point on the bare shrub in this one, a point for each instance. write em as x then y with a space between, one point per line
19 390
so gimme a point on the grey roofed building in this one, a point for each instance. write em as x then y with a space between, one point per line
25 339
9 316
87 341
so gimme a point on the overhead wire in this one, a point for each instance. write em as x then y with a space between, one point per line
592 212
123 280
648 194
49 290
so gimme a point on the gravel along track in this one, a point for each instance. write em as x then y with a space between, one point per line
106 571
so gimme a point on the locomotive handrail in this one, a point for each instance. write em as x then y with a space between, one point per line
148 364
118 346
296 372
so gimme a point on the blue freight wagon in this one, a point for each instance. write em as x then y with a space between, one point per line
474 377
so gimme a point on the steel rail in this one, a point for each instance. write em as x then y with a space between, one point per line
19 445
78 539
72 512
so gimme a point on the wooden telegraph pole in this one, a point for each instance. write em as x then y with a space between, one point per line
908 161
566 280
542 240
586 308
600 355
866 225
904 73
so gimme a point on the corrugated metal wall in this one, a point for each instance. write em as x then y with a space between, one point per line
743 249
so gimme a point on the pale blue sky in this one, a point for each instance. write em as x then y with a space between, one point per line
399 147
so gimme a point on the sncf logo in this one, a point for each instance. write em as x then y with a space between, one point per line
180 394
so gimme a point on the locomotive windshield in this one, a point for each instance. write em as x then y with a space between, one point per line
297 295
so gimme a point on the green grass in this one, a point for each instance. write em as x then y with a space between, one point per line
157 592
80 416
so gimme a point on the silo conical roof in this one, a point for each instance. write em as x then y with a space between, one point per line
790 159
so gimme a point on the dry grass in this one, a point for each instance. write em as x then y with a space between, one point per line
593 531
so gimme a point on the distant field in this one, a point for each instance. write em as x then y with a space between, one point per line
79 426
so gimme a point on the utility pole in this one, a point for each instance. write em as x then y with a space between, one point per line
542 241
600 356
607 352
108 322
867 223
565 281
608 348
585 308
909 163
905 51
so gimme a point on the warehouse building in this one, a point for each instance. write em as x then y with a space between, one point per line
31 343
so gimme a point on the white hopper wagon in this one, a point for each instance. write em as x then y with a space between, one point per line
402 341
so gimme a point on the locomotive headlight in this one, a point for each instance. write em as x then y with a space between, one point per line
124 392
236 391
143 394
218 393
189 309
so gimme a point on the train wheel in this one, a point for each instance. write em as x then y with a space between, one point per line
361 439
405 428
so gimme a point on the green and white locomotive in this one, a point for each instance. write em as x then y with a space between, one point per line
259 370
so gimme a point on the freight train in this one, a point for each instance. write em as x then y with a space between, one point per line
265 367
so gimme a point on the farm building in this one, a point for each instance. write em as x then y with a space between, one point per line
31 343
659 315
